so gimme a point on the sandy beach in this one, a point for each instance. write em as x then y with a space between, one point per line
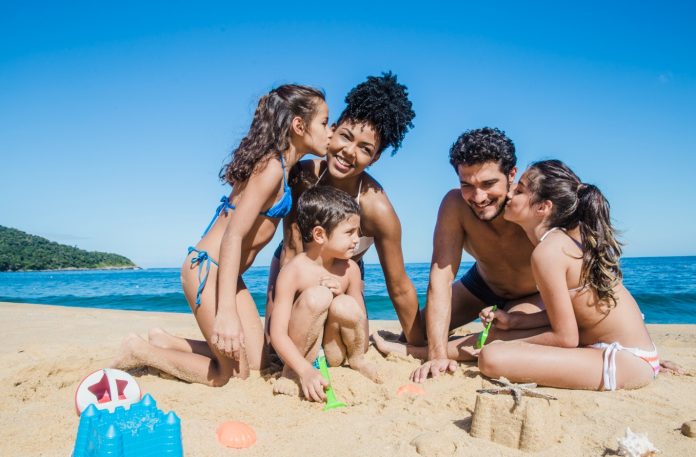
47 350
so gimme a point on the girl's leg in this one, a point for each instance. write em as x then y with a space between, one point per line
192 366
267 356
251 325
305 330
569 368
160 338
345 336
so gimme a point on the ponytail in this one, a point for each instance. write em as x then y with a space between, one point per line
601 249
576 204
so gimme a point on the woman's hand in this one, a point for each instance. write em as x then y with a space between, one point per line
228 336
313 385
501 320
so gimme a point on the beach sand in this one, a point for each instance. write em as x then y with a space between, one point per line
47 350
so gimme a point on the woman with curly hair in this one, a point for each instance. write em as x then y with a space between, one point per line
597 338
377 116
290 122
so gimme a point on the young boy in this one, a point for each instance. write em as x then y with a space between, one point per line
318 296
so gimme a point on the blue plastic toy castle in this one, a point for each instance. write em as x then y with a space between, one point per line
140 431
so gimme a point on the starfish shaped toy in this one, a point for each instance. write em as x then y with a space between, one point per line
517 390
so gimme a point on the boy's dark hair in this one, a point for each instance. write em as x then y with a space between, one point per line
483 145
323 206
383 103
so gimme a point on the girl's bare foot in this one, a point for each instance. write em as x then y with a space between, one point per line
159 338
672 367
127 357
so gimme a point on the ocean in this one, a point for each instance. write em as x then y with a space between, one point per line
664 287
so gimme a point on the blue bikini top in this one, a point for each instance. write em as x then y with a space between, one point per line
279 210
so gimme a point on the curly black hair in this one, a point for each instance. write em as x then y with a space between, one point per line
483 145
383 103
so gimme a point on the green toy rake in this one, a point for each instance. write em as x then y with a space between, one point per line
331 402
484 334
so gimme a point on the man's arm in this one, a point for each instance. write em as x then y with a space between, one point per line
448 242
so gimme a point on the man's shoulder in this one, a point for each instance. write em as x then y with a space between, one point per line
453 207
453 198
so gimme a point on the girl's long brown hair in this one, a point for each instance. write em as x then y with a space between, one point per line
576 204
269 134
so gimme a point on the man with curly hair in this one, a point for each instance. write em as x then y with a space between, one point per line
470 219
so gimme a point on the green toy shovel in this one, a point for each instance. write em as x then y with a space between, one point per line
484 334
331 402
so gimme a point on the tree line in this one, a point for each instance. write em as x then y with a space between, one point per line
20 251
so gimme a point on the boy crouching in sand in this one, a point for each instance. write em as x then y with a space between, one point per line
318 296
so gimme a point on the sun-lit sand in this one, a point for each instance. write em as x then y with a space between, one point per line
47 350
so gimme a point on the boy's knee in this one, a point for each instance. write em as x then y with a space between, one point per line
317 299
491 360
346 309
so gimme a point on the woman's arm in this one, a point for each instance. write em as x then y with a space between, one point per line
260 189
385 227
549 266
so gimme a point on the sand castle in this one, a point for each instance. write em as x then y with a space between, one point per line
528 424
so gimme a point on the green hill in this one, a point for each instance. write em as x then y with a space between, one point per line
21 251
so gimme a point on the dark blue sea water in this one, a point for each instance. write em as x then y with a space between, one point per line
665 288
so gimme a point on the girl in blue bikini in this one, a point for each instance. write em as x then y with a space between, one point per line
290 122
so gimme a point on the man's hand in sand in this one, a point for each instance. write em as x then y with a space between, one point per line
313 384
227 336
433 368
501 320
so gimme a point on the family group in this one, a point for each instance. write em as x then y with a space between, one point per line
546 275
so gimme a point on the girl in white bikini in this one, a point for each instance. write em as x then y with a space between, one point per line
597 339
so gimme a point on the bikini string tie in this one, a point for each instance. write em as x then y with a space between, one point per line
223 206
203 261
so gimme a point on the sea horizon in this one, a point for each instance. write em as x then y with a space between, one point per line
664 287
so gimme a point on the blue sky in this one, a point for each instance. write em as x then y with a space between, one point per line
115 119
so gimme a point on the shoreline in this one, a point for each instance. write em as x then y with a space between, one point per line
134 267
48 349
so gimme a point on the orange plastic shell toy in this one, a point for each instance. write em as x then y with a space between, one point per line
236 435
411 389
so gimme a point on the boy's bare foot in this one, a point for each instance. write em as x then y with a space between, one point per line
287 384
127 357
366 368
